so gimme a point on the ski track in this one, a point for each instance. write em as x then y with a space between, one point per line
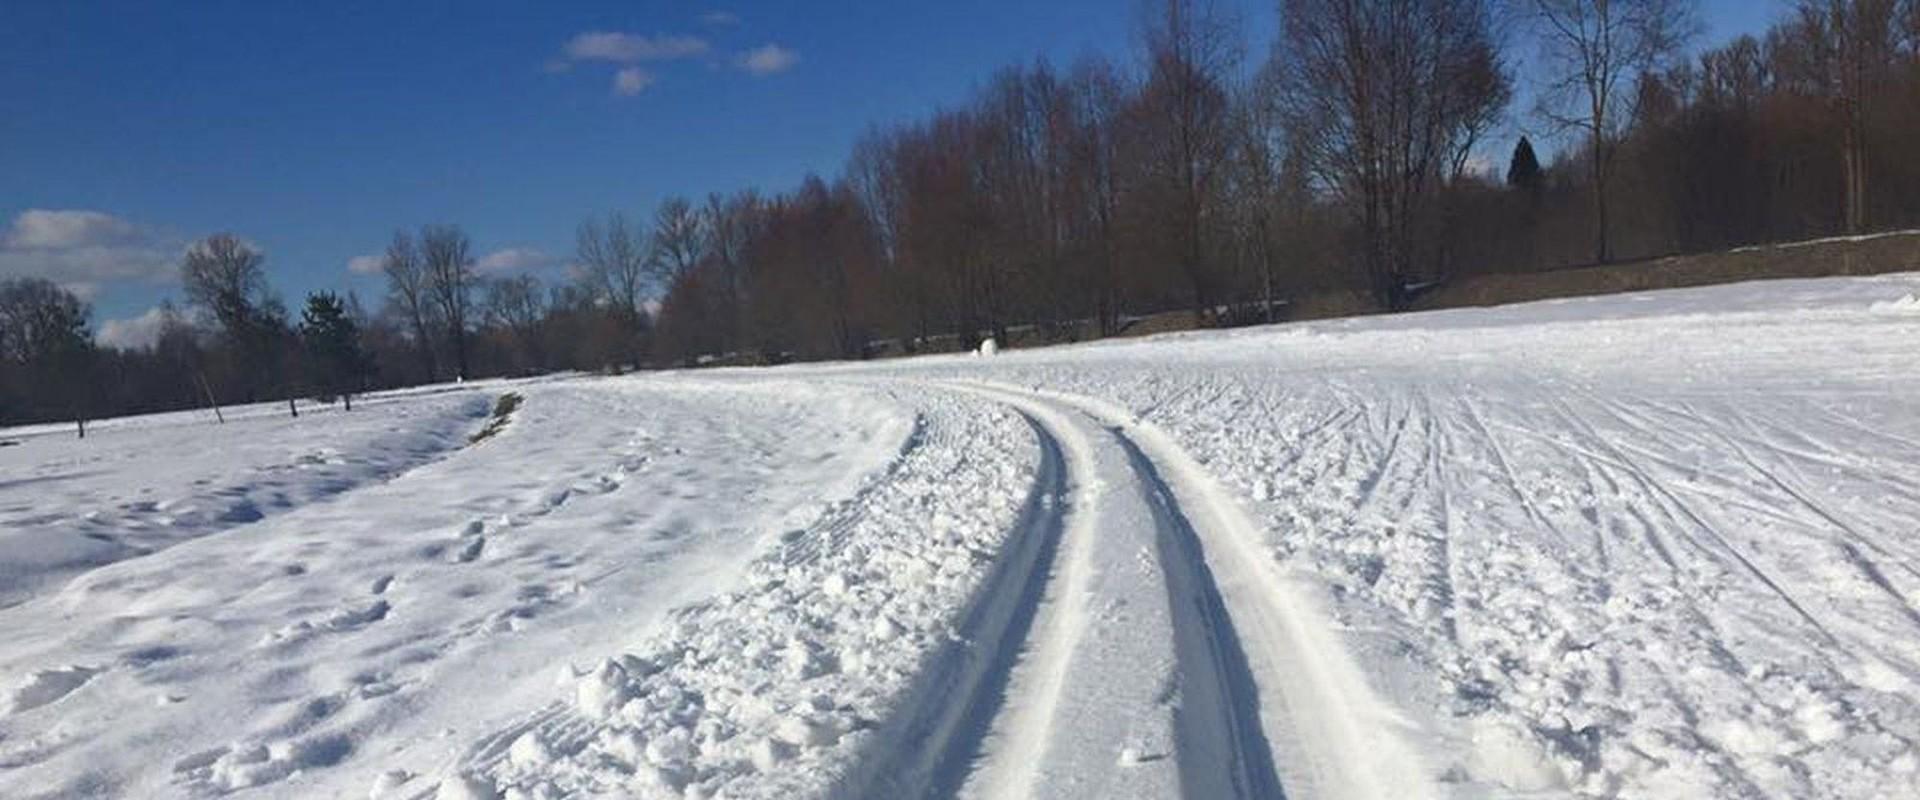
1247 655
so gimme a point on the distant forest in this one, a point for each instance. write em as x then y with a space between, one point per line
1192 176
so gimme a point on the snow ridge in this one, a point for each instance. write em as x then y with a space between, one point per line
777 688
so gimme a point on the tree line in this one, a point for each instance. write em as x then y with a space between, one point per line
1061 202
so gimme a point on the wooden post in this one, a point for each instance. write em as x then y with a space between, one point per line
211 403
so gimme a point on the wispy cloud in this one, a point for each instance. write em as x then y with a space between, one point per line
630 81
84 249
768 60
365 265
133 333
514 259
720 19
631 48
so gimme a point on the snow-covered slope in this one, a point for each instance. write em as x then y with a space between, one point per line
144 484
1662 545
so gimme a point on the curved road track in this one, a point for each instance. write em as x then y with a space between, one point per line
1136 603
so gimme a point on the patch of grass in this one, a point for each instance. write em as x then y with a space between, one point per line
503 409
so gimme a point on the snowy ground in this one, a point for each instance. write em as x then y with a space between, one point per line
1661 545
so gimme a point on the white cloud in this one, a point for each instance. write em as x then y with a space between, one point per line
720 19
83 249
630 48
52 230
769 59
513 259
132 334
630 81
365 265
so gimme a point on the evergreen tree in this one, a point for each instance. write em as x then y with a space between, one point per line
335 363
1523 172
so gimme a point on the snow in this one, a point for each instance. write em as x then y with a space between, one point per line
1651 545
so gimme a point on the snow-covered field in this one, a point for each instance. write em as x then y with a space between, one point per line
1662 545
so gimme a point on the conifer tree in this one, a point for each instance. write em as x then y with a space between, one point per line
1523 171
335 363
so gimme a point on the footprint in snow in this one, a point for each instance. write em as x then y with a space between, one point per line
345 619
471 550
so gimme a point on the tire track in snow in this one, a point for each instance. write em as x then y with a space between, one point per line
1203 711
935 741
1266 693
1225 725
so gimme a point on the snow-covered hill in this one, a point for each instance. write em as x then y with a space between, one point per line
1660 545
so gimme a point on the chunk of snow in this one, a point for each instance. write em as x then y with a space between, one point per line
466 787
529 751
602 691
1504 755
46 686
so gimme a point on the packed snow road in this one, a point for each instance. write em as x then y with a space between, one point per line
1661 545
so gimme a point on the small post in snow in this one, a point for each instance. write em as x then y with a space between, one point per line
211 403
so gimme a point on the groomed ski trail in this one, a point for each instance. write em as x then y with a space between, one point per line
1165 630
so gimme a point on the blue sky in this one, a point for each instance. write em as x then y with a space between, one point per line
317 129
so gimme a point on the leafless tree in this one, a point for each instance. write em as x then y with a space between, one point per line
444 251
1596 51
680 238
1378 97
409 289
1097 97
614 255
732 224
1193 48
226 277
517 305
1849 48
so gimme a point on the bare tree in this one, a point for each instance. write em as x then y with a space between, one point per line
1596 51
1098 95
409 288
680 238
444 250
732 224
1192 49
614 255
517 305
1849 48
1259 179
1377 99
226 278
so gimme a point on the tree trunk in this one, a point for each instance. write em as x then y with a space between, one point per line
1602 253
291 409
1853 160
459 352
347 397
81 423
